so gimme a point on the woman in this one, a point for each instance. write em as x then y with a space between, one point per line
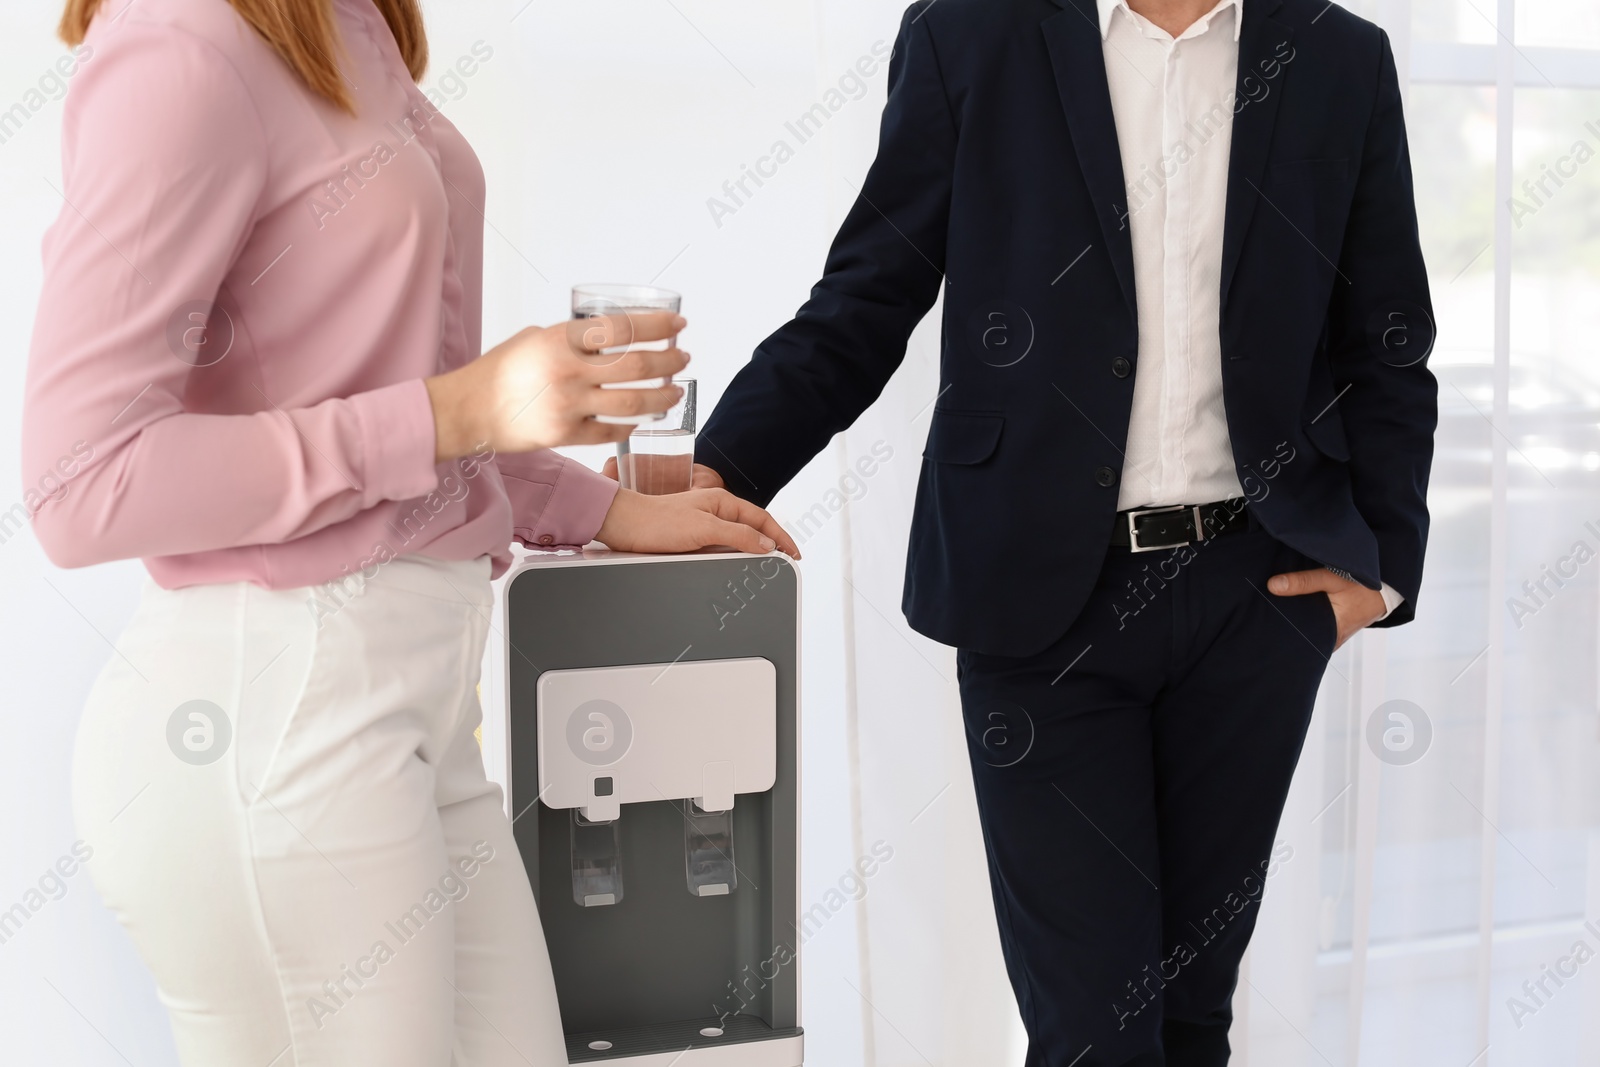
253 368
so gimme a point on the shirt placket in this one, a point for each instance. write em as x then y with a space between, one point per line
420 117
1174 295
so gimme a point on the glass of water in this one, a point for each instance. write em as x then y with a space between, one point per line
658 458
593 301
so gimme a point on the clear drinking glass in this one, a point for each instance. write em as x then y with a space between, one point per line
659 458
592 301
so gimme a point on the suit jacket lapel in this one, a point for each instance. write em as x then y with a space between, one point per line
1073 38
1264 45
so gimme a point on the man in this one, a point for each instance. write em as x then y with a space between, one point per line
1180 452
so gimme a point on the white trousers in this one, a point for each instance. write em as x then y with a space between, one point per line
289 814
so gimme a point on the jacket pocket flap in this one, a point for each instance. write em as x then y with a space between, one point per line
963 436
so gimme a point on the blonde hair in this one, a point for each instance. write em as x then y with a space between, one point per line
303 32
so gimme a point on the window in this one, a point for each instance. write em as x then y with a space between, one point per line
1451 889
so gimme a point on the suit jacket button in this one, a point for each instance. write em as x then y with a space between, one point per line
1106 477
1121 367
546 539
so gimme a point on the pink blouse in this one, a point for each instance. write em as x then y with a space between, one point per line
242 295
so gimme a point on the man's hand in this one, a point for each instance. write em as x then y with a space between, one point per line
704 477
1355 607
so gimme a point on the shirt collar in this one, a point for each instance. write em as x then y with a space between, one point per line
1108 8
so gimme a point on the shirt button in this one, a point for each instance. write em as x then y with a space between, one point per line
1106 477
1121 367
546 539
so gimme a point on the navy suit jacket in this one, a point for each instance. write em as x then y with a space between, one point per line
998 168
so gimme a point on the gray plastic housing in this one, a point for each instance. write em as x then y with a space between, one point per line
647 974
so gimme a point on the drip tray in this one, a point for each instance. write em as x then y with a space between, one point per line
671 1037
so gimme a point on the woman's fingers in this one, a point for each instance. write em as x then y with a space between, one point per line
625 328
542 387
591 432
652 400
735 535
641 366
732 509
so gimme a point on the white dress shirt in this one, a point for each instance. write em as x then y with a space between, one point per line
1173 104
1173 101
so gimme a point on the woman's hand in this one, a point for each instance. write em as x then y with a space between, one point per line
683 522
542 388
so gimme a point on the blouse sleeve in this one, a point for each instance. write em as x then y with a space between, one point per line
165 160
555 501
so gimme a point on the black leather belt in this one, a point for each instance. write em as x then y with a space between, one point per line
1151 529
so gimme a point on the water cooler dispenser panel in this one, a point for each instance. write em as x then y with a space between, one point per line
653 764
701 730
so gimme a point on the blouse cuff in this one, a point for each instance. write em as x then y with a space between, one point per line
556 502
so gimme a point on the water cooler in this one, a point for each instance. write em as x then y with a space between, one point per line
654 771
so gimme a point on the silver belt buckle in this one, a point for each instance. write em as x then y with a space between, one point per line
1133 527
